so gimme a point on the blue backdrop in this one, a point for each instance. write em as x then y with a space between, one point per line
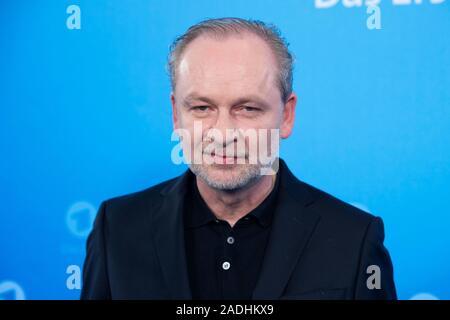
85 115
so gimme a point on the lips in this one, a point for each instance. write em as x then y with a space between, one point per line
223 159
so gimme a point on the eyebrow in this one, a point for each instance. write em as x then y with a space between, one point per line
251 98
194 97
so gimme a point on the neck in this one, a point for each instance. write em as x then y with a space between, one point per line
232 205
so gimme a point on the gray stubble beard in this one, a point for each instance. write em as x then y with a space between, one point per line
250 174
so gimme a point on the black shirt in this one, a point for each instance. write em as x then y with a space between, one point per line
224 262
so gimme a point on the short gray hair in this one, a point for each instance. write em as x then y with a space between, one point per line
226 26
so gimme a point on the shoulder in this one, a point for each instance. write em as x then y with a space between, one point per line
331 210
338 217
136 207
331 207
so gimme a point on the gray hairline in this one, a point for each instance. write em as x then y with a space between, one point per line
224 27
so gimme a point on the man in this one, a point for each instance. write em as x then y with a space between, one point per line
229 228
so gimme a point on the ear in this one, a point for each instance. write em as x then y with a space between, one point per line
287 123
174 112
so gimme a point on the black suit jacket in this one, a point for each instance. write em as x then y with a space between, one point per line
319 247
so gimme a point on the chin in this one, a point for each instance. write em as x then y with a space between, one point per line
224 173
227 177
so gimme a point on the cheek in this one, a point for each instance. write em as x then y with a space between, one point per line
185 120
196 132
270 120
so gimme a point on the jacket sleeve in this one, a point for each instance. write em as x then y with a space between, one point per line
375 276
95 274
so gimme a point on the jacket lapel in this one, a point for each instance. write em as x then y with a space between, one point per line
169 238
293 225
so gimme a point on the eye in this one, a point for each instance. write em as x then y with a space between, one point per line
200 108
250 109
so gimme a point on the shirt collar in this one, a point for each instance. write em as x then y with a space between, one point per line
199 213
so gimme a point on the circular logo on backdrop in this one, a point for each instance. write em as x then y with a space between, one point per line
80 218
360 206
424 296
10 290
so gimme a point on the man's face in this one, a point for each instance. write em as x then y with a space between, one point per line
224 85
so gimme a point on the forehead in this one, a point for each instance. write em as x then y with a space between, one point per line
237 64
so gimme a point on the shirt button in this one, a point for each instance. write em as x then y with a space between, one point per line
230 240
226 265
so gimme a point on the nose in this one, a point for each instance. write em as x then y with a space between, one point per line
218 131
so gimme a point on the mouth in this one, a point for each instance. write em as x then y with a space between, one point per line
224 159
